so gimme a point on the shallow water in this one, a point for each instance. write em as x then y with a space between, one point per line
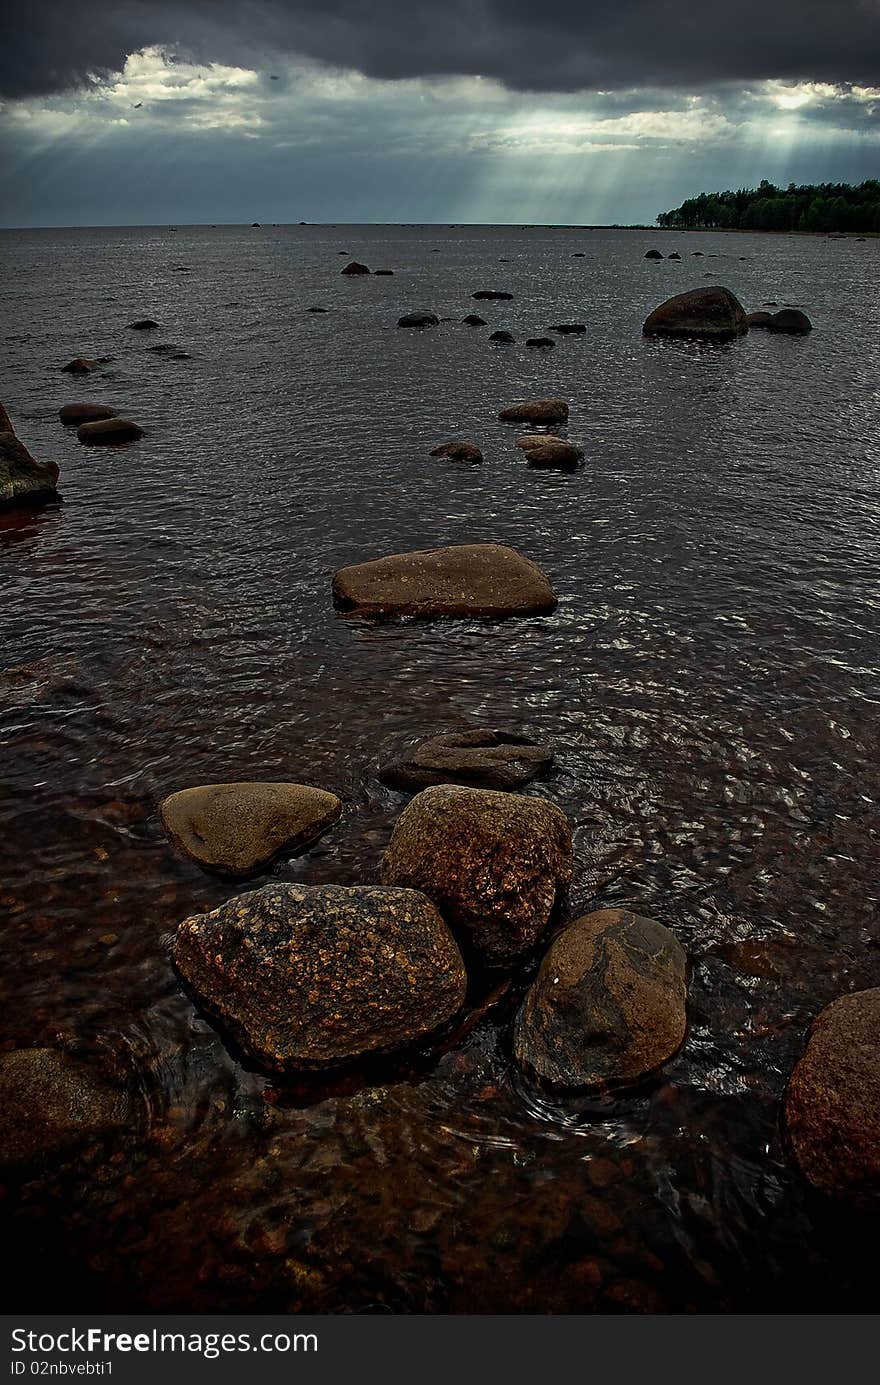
709 682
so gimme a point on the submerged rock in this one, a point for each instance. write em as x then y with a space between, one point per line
492 294
109 430
558 456
479 579
317 310
608 1004
790 320
712 313
566 329
502 336
495 864
759 319
353 267
384 273
85 413
80 365
422 319
544 411
144 324
544 343
832 1105
307 976
50 1101
23 480
236 829
458 451
477 759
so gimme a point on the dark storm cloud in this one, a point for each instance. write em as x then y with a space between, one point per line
555 45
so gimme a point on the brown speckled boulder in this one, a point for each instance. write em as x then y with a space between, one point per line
477 579
495 864
546 412
608 1004
711 314
555 456
49 1101
832 1105
235 829
458 451
23 480
305 976
478 759
527 442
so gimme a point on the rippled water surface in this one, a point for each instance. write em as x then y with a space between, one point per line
709 682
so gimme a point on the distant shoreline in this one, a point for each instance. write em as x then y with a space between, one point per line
455 226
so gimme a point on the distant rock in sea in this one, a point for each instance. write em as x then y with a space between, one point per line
355 268
458 451
144 324
542 411
423 319
492 294
85 413
790 320
109 431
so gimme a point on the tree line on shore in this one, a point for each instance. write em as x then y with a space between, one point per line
805 207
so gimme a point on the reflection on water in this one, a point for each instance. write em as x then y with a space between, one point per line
709 682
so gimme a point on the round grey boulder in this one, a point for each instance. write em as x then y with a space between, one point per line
607 1007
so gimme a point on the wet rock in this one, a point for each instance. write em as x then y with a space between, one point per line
354 268
477 759
480 579
674 256
236 829
473 320
527 442
542 343
566 329
50 1101
458 451
542 411
109 430
307 976
653 255
384 273
608 1004
80 365
502 336
23 480
759 319
711 314
790 320
492 294
144 324
495 864
85 413
557 456
317 310
423 319
6 425
832 1105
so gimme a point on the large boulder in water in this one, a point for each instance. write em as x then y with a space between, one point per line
475 579
832 1105
50 1101
496 864
236 829
477 759
23 481
608 1004
541 411
307 976
710 314
85 413
109 431
555 456
790 320
355 268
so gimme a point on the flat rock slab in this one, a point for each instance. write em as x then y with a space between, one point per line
236 829
307 976
478 759
710 314
85 413
481 580
49 1101
109 431
832 1105
527 442
541 411
495 864
607 1007
24 481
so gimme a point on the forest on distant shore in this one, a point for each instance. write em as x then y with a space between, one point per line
809 207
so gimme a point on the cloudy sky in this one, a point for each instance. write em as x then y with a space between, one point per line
150 111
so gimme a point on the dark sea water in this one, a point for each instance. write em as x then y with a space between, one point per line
709 682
